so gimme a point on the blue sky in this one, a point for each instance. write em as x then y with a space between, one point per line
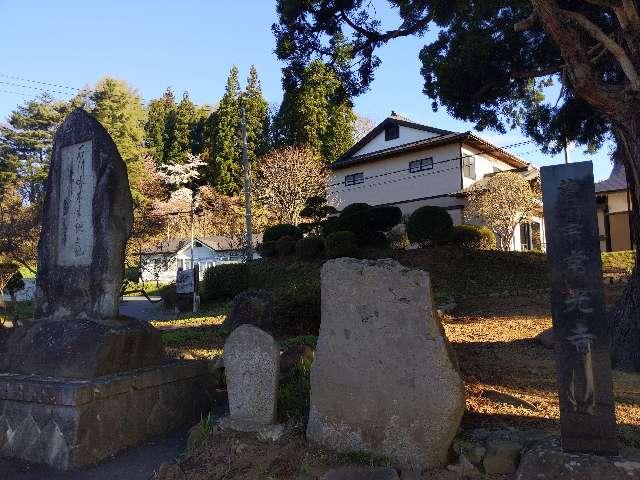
191 45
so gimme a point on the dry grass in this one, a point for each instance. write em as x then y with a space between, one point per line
510 378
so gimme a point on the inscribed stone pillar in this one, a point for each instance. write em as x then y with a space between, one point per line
587 415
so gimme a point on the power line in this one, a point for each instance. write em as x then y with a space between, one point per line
22 79
40 89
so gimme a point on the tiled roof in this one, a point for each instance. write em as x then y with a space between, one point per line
217 243
616 181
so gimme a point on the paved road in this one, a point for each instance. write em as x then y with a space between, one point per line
137 463
143 309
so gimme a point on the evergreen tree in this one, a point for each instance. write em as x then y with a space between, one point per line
118 108
156 132
257 115
26 144
226 149
201 129
182 123
316 113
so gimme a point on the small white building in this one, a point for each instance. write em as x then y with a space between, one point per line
614 211
161 261
410 165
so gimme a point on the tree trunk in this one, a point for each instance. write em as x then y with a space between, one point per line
625 315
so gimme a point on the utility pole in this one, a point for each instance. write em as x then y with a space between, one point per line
247 186
193 267
566 151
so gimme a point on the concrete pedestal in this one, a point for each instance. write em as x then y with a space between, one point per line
68 423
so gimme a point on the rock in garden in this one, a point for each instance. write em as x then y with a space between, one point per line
384 378
251 307
251 359
545 463
361 474
502 457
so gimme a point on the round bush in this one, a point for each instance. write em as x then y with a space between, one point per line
267 249
383 219
276 232
309 248
377 240
225 281
476 237
355 208
285 246
340 244
429 225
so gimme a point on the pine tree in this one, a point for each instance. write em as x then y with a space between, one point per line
118 108
184 120
316 114
257 115
26 143
226 148
156 132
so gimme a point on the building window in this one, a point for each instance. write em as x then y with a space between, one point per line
469 167
353 179
420 165
391 132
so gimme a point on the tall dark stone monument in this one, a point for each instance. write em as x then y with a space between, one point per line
587 414
80 382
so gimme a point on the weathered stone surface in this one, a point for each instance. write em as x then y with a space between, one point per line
73 423
251 359
81 349
502 457
361 474
86 221
251 307
384 379
585 387
547 463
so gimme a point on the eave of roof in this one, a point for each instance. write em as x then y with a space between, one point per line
467 138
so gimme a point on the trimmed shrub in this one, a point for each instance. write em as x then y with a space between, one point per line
383 219
285 246
297 308
476 237
377 240
276 232
225 281
329 226
309 248
429 225
340 244
355 208
365 222
267 249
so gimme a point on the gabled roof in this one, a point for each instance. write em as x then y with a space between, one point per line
444 137
617 180
174 245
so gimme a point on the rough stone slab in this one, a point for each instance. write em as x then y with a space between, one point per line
251 360
547 463
81 348
78 423
86 221
384 379
361 474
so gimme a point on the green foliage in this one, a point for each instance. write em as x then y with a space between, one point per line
310 248
315 211
340 244
267 249
169 296
429 225
26 141
226 148
275 232
225 281
297 307
315 113
477 237
257 114
294 393
180 337
308 340
355 208
15 283
365 222
285 246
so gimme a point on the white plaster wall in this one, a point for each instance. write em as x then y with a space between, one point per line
407 135
617 202
443 179
484 164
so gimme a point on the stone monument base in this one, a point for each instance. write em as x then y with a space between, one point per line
68 423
